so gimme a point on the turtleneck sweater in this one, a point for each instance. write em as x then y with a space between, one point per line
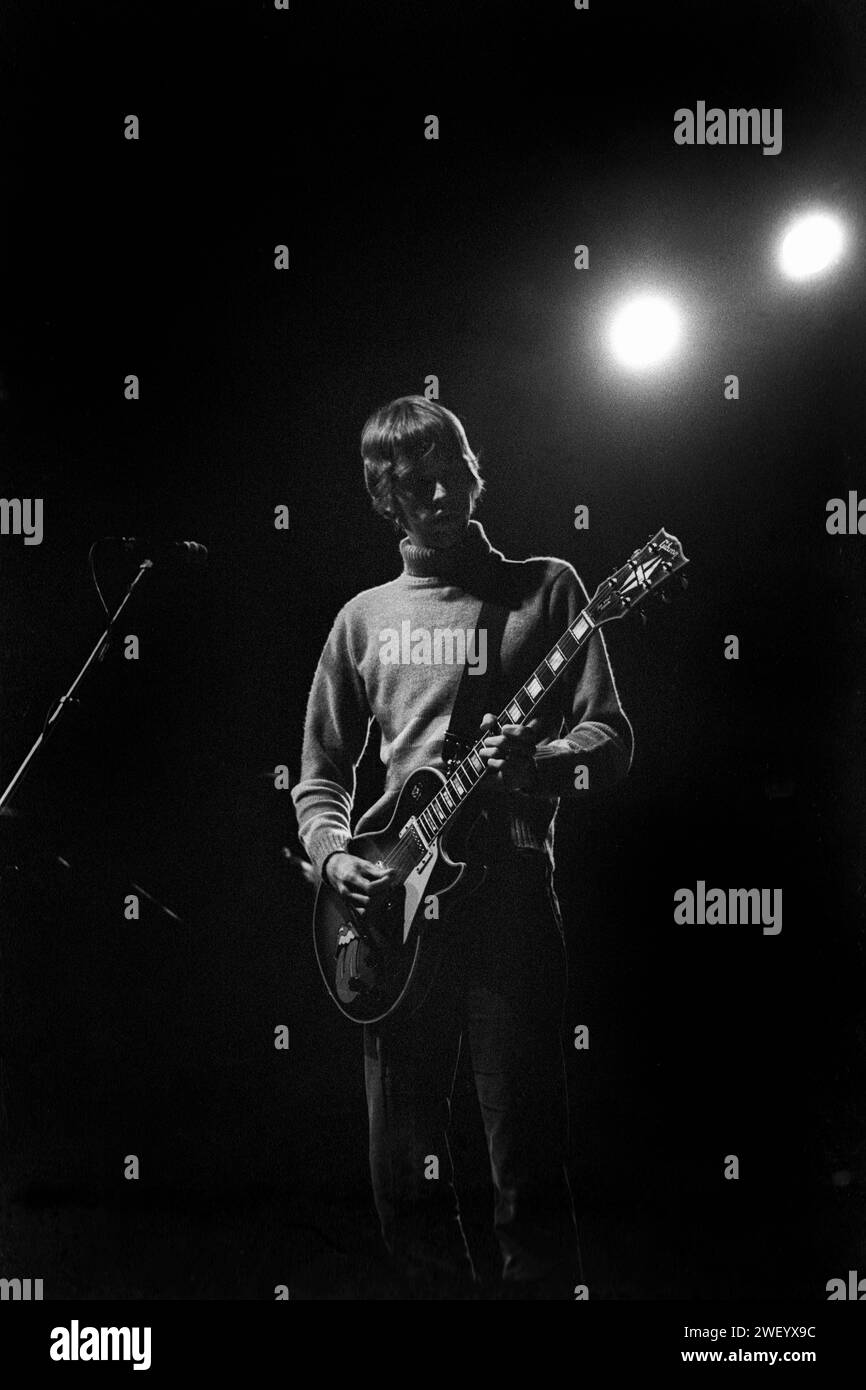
395 654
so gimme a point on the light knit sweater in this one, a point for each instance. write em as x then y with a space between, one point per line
383 661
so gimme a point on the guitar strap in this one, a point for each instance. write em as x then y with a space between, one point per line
476 693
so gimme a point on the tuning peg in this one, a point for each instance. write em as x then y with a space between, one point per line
644 617
665 597
684 581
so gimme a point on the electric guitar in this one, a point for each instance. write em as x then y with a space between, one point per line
384 961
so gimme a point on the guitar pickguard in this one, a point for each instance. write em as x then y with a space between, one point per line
415 887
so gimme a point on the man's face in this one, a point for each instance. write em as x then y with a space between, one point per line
434 501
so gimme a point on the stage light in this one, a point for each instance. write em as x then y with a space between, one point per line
812 244
645 332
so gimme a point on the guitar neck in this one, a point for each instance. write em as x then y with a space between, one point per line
461 783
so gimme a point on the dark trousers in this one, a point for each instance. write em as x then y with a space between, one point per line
501 985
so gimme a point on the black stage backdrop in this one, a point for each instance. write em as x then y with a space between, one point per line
412 258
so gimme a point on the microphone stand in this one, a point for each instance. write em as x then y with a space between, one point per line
50 724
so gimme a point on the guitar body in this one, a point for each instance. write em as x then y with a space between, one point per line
385 961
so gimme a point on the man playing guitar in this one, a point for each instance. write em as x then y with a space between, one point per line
502 982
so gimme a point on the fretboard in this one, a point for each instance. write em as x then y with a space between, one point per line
460 784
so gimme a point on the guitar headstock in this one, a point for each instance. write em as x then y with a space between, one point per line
644 572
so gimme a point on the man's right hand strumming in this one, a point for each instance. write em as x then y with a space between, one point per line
355 879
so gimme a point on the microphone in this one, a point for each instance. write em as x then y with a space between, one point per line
188 553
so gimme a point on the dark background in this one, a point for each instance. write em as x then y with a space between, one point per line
411 257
